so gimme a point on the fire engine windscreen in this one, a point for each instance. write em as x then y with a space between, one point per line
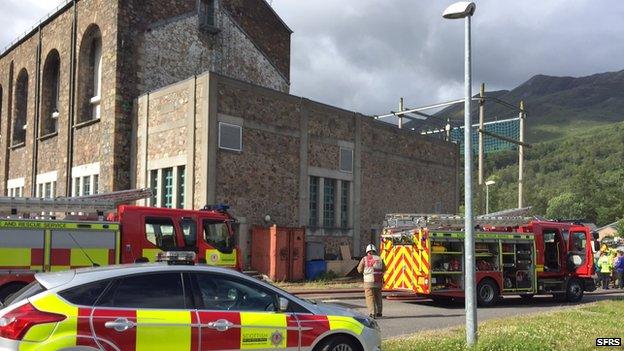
218 235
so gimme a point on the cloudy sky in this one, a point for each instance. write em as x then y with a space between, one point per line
364 54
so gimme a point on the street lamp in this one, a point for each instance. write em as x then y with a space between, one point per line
465 9
487 195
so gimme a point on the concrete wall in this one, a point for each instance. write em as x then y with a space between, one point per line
287 139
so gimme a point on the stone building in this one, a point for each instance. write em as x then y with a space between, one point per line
214 139
67 87
191 98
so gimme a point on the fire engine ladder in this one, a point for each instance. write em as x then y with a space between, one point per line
434 221
100 203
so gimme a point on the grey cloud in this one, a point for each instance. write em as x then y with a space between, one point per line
365 54
376 51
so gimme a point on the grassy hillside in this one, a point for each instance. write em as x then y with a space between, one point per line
557 106
578 176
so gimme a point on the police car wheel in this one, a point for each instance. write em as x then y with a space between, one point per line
338 343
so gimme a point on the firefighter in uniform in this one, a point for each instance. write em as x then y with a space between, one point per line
372 267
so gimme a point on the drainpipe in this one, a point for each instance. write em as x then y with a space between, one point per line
35 132
72 105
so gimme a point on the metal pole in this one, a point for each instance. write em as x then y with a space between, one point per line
401 108
469 264
487 199
481 127
521 157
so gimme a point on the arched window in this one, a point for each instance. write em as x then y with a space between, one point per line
50 93
90 75
21 108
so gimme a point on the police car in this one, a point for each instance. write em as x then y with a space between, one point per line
169 306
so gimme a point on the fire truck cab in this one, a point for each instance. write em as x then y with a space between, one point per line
146 231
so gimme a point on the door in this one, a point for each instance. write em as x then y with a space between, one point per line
146 312
239 314
218 245
553 251
160 235
580 254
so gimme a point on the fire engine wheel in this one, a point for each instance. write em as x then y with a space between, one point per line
487 293
9 290
338 343
574 292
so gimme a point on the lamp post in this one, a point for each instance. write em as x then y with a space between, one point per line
465 9
487 195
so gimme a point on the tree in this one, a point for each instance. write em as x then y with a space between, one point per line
565 206
619 227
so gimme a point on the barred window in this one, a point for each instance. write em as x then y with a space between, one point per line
314 197
168 187
329 203
344 204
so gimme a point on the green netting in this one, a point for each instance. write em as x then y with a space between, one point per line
509 128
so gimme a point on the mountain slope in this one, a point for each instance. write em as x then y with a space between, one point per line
578 176
557 106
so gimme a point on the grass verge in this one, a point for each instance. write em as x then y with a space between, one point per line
569 329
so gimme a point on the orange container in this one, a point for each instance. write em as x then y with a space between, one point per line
278 252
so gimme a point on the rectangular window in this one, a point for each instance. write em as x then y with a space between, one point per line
329 203
86 179
168 187
230 137
46 185
76 186
161 233
168 183
154 187
96 184
207 13
314 198
346 160
48 190
181 186
15 187
86 186
344 204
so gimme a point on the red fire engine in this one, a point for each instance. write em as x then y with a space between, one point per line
131 234
424 255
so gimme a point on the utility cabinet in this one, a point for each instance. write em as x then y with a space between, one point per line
278 252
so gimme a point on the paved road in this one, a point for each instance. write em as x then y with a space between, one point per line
405 317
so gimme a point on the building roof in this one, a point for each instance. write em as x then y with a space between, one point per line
612 225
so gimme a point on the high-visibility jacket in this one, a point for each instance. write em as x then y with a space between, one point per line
372 267
604 263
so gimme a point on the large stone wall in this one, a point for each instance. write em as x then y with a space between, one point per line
176 49
266 29
263 179
405 172
286 139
